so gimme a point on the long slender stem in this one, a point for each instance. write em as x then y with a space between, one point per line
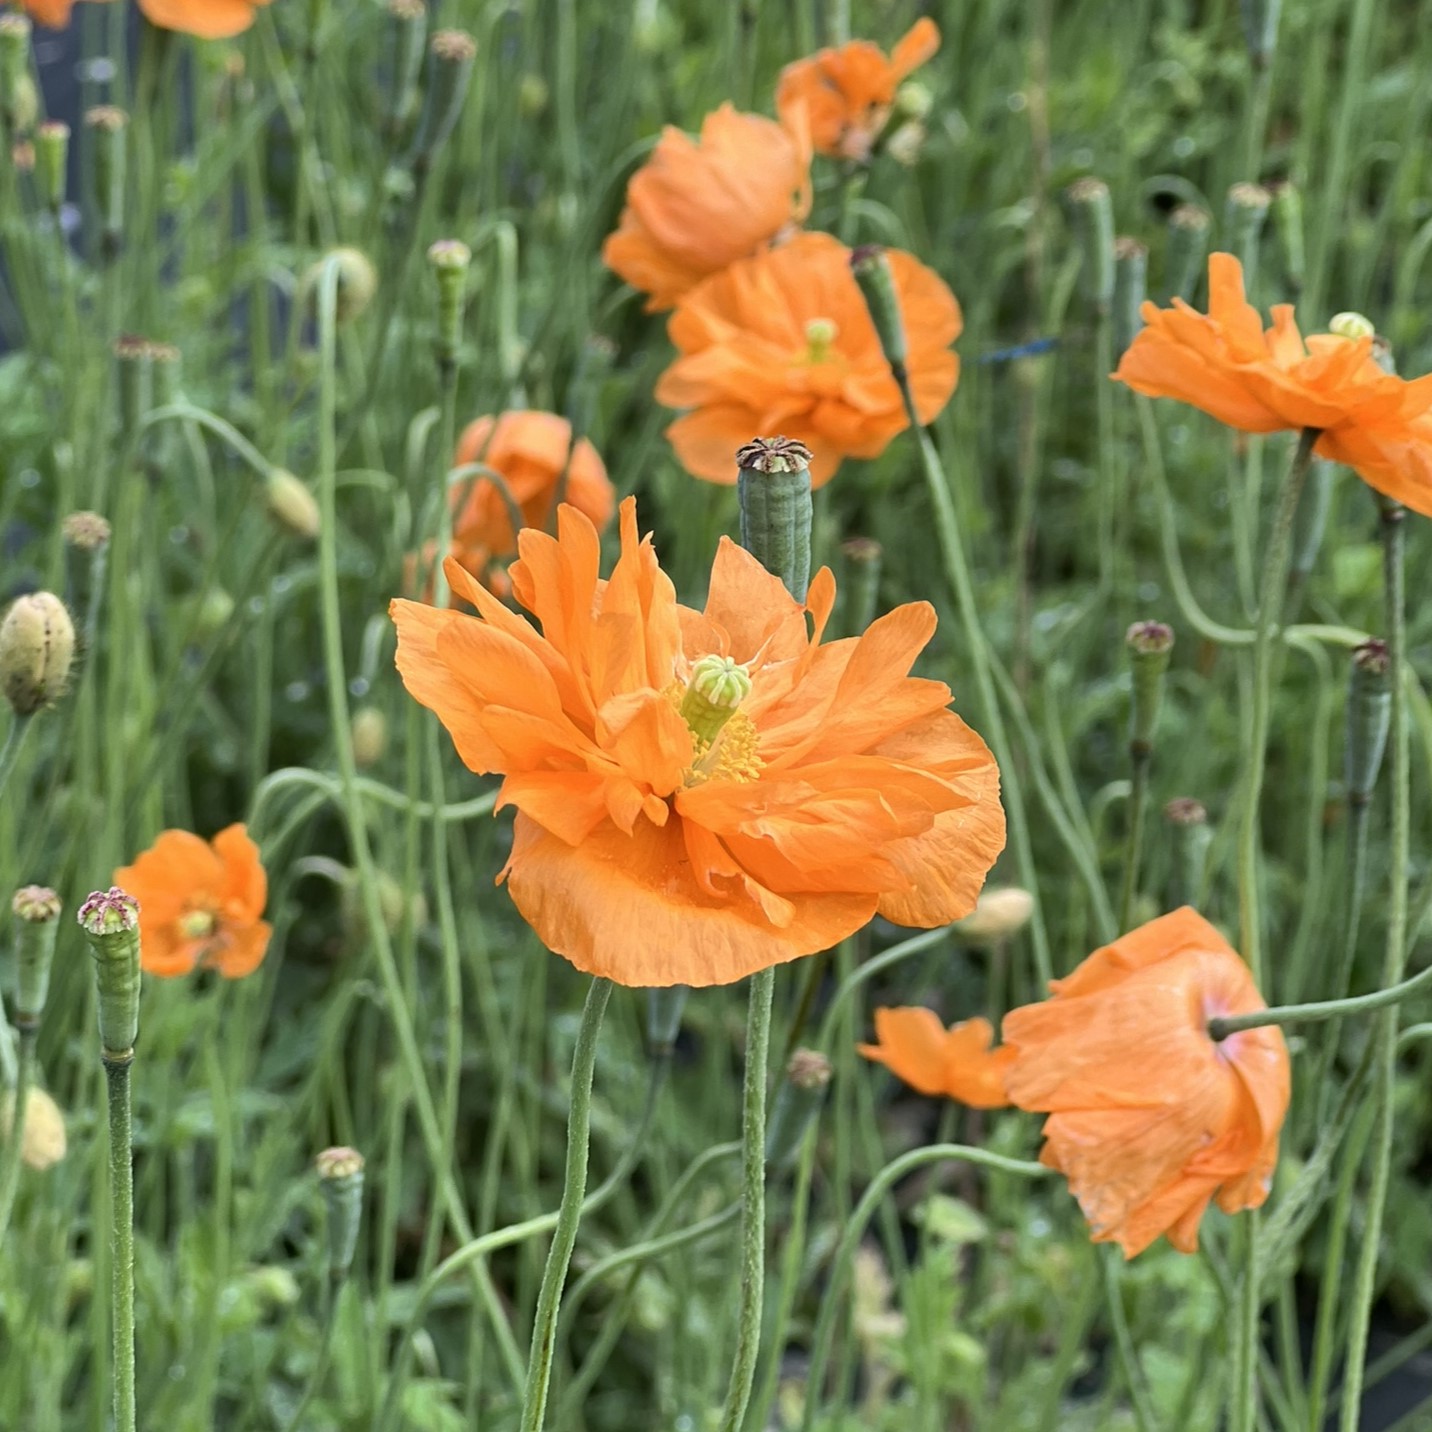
564 1236
121 1195
1140 758
753 1201
1385 1036
10 1159
10 751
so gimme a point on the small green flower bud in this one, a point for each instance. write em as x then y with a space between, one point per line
913 100
533 96
1093 212
37 645
52 150
340 1176
108 125
1149 645
135 357
717 687
871 268
452 53
773 487
663 1019
999 913
293 504
797 1103
110 920
38 910
1187 248
370 736
1131 275
42 1130
1369 712
1188 823
410 23
905 143
1351 325
449 260
357 282
1243 218
85 531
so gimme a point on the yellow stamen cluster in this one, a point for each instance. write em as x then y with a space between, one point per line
724 740
197 924
821 334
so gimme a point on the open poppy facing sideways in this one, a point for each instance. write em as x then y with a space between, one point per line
783 342
533 453
1149 1117
204 19
701 795
200 903
1225 364
956 1062
846 93
697 205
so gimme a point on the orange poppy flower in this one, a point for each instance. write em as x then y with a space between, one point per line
956 1062
697 205
531 451
783 342
54 14
703 794
846 94
199 903
1150 1118
1263 382
204 19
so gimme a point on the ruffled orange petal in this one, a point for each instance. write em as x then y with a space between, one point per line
166 877
204 19
244 891
242 951
910 1043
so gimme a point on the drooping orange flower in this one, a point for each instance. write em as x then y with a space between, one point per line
200 903
783 342
697 205
204 19
1262 382
532 451
704 794
956 1062
1149 1117
846 93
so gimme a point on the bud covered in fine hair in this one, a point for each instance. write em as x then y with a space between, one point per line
37 645
1369 713
1131 281
449 260
293 504
1188 824
340 1176
85 531
37 908
797 1102
42 1132
999 913
871 268
369 730
357 282
1149 645
451 56
773 489
110 920
52 152
108 125
1093 212
1187 248
664 1006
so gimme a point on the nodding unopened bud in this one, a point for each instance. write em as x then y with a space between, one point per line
664 1007
110 920
1149 646
52 151
797 1102
1369 711
37 645
370 736
357 282
15 33
1188 823
1288 224
1093 212
293 504
85 531
451 55
871 268
42 1133
1187 248
1260 29
449 260
773 488
1243 217
410 23
1131 282
1000 912
860 589
38 910
1351 325
107 124
340 1176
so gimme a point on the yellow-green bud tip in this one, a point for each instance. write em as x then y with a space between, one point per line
449 254
109 912
338 1163
1351 325
36 904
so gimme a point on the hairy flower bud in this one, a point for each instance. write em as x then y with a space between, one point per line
37 645
110 920
293 504
340 1176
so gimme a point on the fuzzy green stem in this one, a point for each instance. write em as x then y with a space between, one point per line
1385 1035
10 1159
753 1201
1140 759
121 1193
569 1213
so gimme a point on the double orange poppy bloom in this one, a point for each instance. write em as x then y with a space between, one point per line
703 794
1150 1119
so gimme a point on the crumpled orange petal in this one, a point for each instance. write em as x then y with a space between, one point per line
1149 1118
957 1062
840 786
1258 381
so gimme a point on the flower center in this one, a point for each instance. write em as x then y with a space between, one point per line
723 738
197 924
821 334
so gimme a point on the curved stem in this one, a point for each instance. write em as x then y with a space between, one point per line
753 1201
564 1236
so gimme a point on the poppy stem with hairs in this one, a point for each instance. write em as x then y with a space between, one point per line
872 273
569 1213
773 487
